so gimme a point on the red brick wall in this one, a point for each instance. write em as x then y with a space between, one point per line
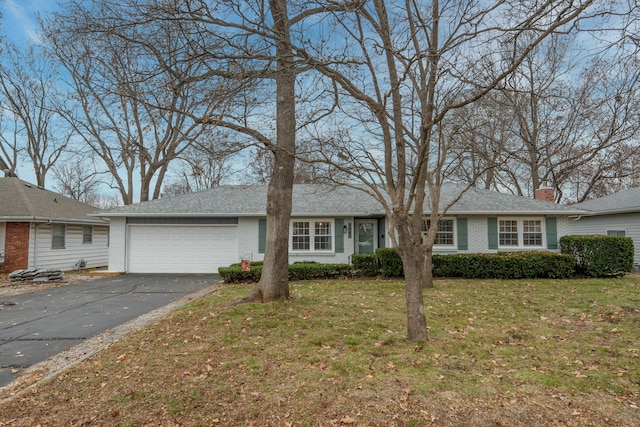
546 194
16 246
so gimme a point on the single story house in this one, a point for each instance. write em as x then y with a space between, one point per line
202 231
43 229
617 214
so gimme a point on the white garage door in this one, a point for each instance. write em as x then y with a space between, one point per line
181 249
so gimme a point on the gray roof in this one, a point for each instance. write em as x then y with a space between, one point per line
21 201
621 202
313 200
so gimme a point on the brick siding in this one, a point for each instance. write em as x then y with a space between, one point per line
16 247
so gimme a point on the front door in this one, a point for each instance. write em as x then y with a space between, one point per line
366 236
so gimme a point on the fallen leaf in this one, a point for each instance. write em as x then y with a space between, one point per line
347 420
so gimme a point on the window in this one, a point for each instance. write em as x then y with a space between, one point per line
619 233
444 233
323 236
314 235
508 235
520 233
301 237
87 234
532 233
58 236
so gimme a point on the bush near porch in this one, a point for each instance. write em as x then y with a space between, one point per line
600 256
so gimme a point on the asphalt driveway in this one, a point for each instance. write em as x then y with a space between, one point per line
42 324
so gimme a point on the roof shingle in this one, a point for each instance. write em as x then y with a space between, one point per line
620 202
310 199
21 201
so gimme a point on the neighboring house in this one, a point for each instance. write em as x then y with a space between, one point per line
613 215
202 231
43 229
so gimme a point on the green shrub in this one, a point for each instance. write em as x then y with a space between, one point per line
366 264
504 265
600 256
314 270
302 270
390 262
234 273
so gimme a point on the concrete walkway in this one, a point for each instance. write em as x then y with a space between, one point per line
42 324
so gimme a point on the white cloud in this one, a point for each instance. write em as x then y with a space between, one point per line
19 19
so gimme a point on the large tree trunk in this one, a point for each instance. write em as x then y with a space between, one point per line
412 256
416 318
427 268
274 282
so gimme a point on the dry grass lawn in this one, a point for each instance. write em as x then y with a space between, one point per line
501 353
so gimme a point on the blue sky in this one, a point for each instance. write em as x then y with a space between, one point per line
19 22
19 25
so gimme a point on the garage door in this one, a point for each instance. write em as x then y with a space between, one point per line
181 249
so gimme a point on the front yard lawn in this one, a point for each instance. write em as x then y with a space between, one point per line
516 353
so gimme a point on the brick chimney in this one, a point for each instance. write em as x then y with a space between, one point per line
546 194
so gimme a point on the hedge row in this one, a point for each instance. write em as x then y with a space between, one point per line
304 270
600 256
366 265
504 265
514 265
595 256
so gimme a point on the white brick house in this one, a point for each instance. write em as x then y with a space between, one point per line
199 232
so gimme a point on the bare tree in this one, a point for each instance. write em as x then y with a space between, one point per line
483 144
248 44
565 122
206 164
10 148
306 169
75 178
31 126
413 65
132 102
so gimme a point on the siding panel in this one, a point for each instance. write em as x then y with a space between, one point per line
600 224
94 254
